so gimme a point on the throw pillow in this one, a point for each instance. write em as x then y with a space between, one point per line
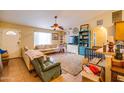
87 69
2 51
94 69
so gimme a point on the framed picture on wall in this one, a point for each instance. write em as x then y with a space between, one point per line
55 36
116 16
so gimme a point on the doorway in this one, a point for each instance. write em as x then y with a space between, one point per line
11 42
99 36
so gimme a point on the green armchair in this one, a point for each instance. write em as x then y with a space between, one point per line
46 70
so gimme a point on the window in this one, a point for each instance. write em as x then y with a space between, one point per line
42 38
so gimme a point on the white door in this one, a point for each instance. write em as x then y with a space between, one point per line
11 42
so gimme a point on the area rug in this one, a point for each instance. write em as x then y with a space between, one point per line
69 62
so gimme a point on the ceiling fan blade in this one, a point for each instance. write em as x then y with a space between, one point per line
55 26
61 27
52 26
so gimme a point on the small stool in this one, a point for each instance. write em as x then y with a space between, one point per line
5 58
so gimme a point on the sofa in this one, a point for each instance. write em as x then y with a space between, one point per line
46 69
46 49
26 59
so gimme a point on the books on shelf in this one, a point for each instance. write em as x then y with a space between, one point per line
84 38
120 78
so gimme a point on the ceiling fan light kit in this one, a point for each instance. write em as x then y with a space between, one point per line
57 26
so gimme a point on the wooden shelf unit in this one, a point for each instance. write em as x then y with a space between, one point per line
83 39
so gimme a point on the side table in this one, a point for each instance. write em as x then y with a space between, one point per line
117 69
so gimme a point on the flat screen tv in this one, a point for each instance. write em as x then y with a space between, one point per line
73 40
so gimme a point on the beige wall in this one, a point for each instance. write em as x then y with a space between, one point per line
27 33
100 35
0 38
107 23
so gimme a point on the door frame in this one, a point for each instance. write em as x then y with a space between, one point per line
16 30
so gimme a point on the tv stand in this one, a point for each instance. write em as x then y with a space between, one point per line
72 49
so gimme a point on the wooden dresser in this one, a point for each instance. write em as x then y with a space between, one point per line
119 30
1 66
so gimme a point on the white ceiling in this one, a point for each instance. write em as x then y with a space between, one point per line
45 18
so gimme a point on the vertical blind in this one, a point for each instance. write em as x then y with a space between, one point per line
42 38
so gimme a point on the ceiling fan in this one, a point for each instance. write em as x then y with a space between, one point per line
56 26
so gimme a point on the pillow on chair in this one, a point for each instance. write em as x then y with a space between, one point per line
26 48
94 69
87 69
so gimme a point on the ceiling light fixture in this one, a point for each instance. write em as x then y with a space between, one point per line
56 26
11 33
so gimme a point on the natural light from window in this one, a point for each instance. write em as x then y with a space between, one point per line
42 38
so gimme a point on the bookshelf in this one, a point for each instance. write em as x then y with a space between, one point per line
84 39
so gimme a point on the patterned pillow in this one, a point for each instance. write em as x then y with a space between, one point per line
95 61
87 69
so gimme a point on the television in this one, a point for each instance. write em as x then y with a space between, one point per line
73 40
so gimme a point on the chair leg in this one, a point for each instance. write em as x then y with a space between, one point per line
36 75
